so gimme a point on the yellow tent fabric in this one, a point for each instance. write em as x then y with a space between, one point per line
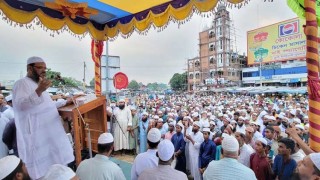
158 20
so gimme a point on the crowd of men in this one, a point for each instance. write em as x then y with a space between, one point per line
178 137
269 135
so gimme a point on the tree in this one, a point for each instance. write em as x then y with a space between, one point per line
179 81
133 85
92 82
58 80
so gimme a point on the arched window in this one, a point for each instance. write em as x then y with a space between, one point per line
211 34
191 76
197 76
197 63
211 60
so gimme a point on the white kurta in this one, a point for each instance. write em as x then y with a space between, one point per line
194 150
124 118
3 147
41 138
8 113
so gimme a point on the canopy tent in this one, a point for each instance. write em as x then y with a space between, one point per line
104 19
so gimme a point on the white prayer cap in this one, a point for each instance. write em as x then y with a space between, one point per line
315 158
160 120
204 112
171 123
234 121
145 113
206 130
272 118
299 127
165 150
8 164
34 59
262 140
209 113
197 123
240 117
230 143
154 135
59 172
280 116
155 117
305 117
213 123
9 98
196 114
133 108
205 124
297 120
225 116
180 124
224 135
122 100
105 138
293 112
263 113
220 115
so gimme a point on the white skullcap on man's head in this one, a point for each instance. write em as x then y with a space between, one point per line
315 158
8 98
262 140
8 164
59 172
180 124
165 150
197 123
34 59
206 129
230 143
154 135
105 138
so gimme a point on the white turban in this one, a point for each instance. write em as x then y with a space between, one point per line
230 143
59 172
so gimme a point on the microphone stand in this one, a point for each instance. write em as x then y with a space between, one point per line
86 125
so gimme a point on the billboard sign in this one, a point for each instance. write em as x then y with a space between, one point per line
277 42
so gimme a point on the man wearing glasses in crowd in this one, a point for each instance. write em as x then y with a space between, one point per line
41 138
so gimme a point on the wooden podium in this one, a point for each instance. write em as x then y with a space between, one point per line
94 114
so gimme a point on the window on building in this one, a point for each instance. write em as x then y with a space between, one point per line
191 76
211 47
229 73
220 31
197 63
211 60
197 76
212 74
221 43
211 34
233 74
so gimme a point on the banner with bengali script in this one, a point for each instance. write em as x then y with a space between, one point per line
277 42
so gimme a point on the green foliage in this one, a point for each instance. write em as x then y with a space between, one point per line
92 82
69 81
179 82
133 85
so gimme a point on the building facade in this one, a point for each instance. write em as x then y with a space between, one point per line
217 64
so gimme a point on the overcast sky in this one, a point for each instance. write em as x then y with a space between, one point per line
152 58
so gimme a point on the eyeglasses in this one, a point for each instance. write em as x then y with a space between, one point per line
41 67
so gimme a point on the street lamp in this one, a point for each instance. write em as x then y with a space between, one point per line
260 54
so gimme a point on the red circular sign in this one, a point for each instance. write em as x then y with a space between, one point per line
120 80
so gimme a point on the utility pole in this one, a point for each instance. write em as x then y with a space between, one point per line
84 72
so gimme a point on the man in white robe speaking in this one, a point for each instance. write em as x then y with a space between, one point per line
41 138
122 127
